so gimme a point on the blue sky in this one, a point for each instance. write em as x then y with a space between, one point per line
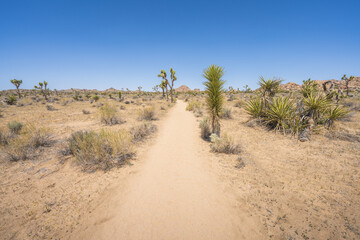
124 44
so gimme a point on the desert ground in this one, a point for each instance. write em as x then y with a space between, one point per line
174 186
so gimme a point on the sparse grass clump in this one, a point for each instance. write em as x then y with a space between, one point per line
193 106
102 150
224 144
226 113
148 114
108 115
27 144
15 127
50 108
141 131
11 100
205 129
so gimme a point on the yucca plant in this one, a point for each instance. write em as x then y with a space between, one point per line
214 95
335 113
315 105
254 107
268 87
280 113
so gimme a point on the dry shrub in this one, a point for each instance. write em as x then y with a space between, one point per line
148 113
239 103
225 144
50 108
85 112
28 143
193 106
108 115
5 136
15 127
226 113
205 129
102 150
139 132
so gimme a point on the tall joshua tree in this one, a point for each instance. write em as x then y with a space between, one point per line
214 95
173 79
163 76
43 89
163 86
17 84
347 80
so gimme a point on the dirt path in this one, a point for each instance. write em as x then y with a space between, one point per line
174 194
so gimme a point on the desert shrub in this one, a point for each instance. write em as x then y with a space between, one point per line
15 126
85 112
96 98
239 103
102 150
27 144
147 113
50 108
122 107
11 100
193 105
335 113
280 113
254 107
108 115
226 113
5 136
205 129
224 144
139 132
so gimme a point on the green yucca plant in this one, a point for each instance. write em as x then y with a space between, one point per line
214 95
254 107
269 86
336 113
315 105
280 113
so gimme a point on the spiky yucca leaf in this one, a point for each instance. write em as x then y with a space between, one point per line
336 113
315 105
254 107
214 95
280 113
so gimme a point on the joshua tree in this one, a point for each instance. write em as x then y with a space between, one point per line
163 86
246 88
17 84
309 87
214 95
43 89
156 88
347 80
163 76
173 79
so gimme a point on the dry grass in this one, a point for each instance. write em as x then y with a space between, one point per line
108 115
141 131
148 114
102 150
224 144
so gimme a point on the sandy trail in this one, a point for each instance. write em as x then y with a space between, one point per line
174 194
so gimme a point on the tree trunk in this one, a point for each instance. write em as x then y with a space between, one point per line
18 92
163 90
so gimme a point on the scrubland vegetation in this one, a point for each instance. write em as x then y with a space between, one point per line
60 149
291 156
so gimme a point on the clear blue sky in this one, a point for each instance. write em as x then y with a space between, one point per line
102 44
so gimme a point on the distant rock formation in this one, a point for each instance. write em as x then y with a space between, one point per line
290 86
183 88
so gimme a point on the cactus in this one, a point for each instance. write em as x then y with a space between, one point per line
43 89
17 84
